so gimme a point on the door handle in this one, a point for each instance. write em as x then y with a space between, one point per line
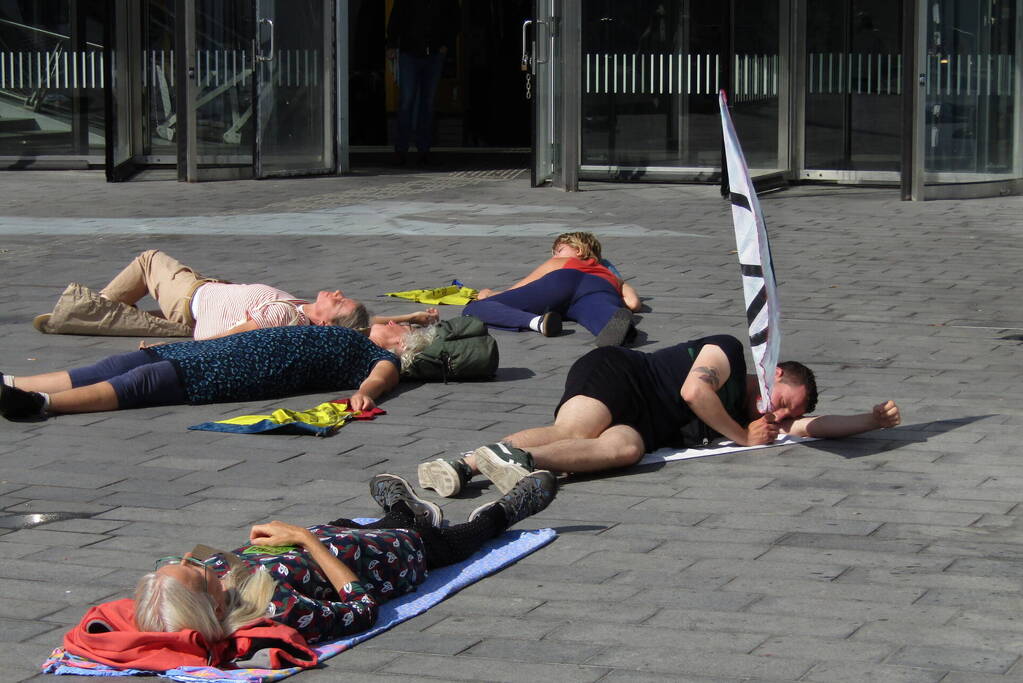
525 44
268 57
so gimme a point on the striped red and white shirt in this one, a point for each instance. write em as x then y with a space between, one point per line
217 307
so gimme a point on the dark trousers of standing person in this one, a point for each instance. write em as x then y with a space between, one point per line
588 299
418 77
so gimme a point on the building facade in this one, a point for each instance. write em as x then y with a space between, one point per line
921 94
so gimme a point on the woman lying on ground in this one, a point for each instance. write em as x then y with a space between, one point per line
328 580
250 366
573 284
201 307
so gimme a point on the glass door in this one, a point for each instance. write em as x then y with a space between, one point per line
294 76
852 90
121 50
971 114
216 77
539 36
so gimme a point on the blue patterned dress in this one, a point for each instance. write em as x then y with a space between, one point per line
389 562
273 362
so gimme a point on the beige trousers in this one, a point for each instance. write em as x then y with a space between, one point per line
164 278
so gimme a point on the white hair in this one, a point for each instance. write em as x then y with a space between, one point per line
416 340
162 603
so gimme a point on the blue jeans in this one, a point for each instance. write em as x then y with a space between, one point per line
587 299
417 82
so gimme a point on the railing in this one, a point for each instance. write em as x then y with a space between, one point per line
971 74
755 76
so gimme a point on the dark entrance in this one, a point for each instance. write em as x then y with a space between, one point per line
480 106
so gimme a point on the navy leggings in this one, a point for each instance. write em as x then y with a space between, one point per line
139 379
588 299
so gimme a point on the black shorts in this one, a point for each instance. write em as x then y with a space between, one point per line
621 380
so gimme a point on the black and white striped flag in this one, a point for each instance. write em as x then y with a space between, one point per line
758 285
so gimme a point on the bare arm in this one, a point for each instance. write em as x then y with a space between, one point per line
711 370
549 266
631 297
278 533
246 326
382 378
883 415
427 317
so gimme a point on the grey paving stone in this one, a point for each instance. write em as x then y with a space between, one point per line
857 672
957 658
863 525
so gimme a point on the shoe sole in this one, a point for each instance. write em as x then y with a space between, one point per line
436 516
40 322
505 475
439 476
551 324
614 332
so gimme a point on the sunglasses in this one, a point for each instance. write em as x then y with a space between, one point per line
179 559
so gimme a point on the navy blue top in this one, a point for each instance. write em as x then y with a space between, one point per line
670 367
273 362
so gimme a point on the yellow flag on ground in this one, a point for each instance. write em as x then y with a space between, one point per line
455 295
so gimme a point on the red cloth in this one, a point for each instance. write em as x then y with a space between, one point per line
361 414
592 267
107 634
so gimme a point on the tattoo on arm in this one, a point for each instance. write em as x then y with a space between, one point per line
709 375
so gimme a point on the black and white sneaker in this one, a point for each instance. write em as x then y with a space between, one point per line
388 489
531 494
19 405
503 465
446 477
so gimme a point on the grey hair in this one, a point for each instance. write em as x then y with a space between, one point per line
415 341
359 317
162 603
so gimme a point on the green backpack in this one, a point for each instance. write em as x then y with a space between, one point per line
462 349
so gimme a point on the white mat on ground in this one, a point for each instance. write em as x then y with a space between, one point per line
716 448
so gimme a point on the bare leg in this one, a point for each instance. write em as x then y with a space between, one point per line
48 382
618 446
580 418
93 398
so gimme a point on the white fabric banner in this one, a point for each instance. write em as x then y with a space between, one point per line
721 447
758 285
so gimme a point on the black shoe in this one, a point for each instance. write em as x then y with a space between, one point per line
388 489
531 494
550 324
19 405
616 329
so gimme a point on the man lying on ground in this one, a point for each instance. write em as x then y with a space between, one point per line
620 403
213 308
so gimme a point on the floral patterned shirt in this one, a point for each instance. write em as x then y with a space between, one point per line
273 362
389 562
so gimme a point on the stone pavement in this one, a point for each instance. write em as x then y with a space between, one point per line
894 556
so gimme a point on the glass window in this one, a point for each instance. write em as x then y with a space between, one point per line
651 74
972 105
853 85
51 78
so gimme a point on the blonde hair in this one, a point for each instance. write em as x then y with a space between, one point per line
586 242
162 603
415 341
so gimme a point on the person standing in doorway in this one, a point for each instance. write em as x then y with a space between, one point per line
420 33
